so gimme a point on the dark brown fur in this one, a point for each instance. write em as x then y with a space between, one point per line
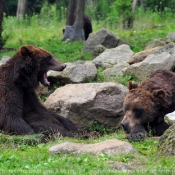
145 105
20 110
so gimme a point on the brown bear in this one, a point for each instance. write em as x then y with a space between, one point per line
20 110
146 105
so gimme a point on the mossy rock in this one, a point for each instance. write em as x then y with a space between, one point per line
166 143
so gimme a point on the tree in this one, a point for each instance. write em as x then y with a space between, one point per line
74 24
78 32
131 18
2 2
71 13
21 9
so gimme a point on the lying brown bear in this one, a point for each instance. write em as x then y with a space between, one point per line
145 105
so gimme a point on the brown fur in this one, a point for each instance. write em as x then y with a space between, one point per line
20 110
145 105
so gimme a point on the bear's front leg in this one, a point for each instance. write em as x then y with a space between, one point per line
137 133
17 126
161 127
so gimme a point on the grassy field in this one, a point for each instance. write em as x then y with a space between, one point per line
26 155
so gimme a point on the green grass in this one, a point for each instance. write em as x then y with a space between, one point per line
19 158
27 155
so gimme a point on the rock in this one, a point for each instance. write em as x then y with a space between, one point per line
171 36
111 57
76 72
167 142
109 147
98 49
163 58
156 43
116 70
119 166
88 102
140 56
170 118
41 90
4 60
103 37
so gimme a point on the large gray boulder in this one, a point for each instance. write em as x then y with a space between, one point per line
167 142
156 43
110 147
4 60
140 56
171 36
162 58
102 37
76 72
111 57
170 118
85 103
115 70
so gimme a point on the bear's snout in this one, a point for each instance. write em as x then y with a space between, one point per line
123 124
63 66
125 127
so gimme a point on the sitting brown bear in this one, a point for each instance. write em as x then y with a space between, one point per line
20 110
145 105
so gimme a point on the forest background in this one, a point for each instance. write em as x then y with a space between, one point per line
44 20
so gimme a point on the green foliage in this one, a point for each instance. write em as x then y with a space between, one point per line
102 9
100 77
43 98
123 8
125 78
101 128
35 31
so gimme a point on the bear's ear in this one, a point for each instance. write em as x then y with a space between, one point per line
25 51
132 85
160 93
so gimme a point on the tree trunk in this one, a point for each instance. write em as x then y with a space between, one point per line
80 10
134 4
67 32
131 19
143 4
2 2
21 9
74 25
71 12
78 31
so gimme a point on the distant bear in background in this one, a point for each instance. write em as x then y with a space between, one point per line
146 105
87 26
20 110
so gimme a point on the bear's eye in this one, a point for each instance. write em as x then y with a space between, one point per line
49 57
137 111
